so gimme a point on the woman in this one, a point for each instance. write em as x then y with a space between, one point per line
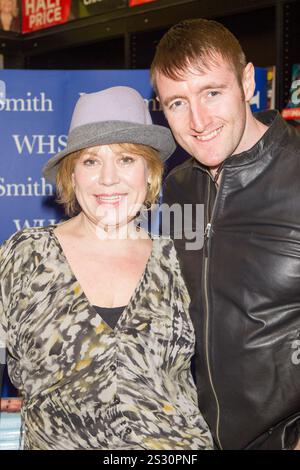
9 19
95 311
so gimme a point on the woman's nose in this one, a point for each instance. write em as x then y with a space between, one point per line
108 174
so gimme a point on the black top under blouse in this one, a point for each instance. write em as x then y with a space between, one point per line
110 315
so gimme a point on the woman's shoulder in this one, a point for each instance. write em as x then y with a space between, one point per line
164 243
167 259
165 250
18 241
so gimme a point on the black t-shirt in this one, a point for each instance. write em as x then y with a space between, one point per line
110 315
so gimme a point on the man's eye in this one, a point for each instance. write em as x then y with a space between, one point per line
175 105
213 93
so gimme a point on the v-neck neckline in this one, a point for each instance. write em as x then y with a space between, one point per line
89 304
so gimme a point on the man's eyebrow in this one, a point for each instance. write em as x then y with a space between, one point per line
172 98
211 85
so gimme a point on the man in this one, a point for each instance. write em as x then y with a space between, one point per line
245 282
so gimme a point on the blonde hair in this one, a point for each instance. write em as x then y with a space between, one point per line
64 185
196 43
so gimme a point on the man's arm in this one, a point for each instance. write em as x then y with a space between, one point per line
10 405
2 362
7 404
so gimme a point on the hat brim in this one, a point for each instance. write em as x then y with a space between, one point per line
113 132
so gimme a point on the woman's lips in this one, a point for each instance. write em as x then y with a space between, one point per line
110 199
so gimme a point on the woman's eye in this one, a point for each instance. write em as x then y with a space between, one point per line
89 162
126 160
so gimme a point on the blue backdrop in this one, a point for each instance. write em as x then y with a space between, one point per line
34 121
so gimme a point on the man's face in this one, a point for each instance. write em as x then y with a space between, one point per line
208 112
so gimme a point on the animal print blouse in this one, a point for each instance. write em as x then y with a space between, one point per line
86 385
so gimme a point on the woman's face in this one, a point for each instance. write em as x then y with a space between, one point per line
7 6
110 185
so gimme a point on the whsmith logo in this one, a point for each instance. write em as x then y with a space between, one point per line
30 103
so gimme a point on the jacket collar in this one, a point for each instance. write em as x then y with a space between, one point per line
276 128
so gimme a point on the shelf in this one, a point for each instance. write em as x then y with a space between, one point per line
156 15
126 37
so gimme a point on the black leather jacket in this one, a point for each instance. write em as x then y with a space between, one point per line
245 290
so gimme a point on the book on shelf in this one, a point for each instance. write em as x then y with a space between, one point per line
291 112
10 431
271 76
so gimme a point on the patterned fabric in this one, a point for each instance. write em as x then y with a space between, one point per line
86 385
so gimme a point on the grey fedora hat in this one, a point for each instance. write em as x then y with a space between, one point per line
115 115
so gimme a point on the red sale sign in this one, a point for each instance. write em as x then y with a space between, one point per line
133 3
39 14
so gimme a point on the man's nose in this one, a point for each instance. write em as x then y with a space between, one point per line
108 174
199 118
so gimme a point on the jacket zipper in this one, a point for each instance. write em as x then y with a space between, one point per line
207 234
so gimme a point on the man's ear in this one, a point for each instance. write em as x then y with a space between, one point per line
248 81
157 99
